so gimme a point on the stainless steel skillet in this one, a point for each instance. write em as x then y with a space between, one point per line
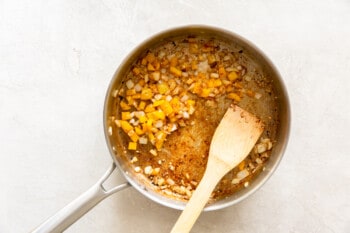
73 211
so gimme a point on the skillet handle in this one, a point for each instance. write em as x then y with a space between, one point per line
80 206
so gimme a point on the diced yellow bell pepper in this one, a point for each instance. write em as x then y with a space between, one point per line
175 71
222 72
196 88
142 105
150 67
190 102
175 104
205 92
159 137
136 96
130 92
141 82
166 108
142 119
146 94
211 83
202 76
130 100
133 136
138 130
144 61
156 115
173 119
148 125
162 88
217 83
160 115
232 76
234 96
126 116
241 165
151 137
136 71
158 103
125 126
159 145
229 89
132 146
124 105
149 108
150 57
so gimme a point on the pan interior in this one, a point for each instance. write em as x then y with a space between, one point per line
272 107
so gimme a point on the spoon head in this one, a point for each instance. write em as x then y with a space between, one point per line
235 137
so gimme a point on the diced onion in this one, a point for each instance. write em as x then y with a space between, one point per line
138 88
129 84
148 170
143 140
257 95
247 78
184 98
173 128
158 96
159 124
168 98
186 115
242 174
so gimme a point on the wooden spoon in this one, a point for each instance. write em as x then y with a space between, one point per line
233 139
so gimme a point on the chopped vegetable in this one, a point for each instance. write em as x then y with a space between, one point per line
160 92
132 146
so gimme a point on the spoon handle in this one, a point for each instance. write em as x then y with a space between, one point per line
198 200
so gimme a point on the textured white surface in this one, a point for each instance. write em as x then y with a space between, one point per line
56 61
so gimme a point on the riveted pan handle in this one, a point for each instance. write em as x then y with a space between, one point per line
80 206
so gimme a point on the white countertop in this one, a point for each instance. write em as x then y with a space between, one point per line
56 61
